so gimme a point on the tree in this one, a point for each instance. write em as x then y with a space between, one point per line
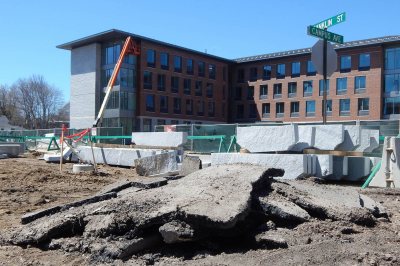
38 101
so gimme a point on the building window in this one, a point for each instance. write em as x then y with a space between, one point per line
253 74
126 101
280 109
310 108
147 80
341 86
163 104
150 104
292 89
210 90
345 63
177 105
111 54
321 87
263 92
391 106
212 71
147 125
200 108
392 85
307 88
250 93
151 58
187 86
174 122
364 62
344 107
294 109
239 111
211 109
392 59
240 76
252 110
189 66
238 93
161 82
199 88
363 106
177 63
295 69
113 102
175 84
126 77
161 122
164 60
266 110
360 84
267 69
201 69
328 107
189 106
311 69
277 90
280 71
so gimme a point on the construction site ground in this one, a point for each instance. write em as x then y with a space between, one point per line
28 184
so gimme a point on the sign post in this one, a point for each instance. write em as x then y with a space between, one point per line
319 30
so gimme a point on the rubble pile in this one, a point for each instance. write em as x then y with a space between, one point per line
218 202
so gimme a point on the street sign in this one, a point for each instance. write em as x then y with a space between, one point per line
317 58
323 34
331 21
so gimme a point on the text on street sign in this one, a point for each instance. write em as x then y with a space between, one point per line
331 21
323 34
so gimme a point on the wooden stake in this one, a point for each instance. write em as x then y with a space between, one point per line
91 147
62 148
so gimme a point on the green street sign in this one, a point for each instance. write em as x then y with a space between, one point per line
331 21
323 34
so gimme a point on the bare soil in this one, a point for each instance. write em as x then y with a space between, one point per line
28 184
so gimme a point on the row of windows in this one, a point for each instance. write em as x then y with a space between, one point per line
111 52
341 88
121 100
392 59
163 104
175 85
364 63
309 108
126 77
178 66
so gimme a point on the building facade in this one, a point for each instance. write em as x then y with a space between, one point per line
168 84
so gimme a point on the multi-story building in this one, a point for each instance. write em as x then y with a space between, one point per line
168 84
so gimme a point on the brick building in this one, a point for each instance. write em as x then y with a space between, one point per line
168 84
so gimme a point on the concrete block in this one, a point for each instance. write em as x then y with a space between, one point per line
159 139
190 164
351 138
322 137
294 165
51 158
4 156
359 139
369 140
157 164
267 138
147 183
113 156
358 168
22 146
12 150
78 168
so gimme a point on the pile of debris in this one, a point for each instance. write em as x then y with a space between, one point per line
218 203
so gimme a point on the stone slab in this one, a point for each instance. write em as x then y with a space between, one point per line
4 156
322 137
159 139
151 182
113 156
115 187
267 138
190 164
78 168
369 140
157 164
12 150
29 217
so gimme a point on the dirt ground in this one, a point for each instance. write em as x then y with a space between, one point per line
28 184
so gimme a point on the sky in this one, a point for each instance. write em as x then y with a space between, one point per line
31 30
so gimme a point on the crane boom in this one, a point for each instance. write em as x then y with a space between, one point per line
128 48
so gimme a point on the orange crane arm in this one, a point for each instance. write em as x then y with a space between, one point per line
128 48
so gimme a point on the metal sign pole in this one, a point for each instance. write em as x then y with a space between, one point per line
324 104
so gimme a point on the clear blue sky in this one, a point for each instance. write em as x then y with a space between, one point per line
30 30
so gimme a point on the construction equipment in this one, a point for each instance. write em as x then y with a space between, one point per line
129 48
